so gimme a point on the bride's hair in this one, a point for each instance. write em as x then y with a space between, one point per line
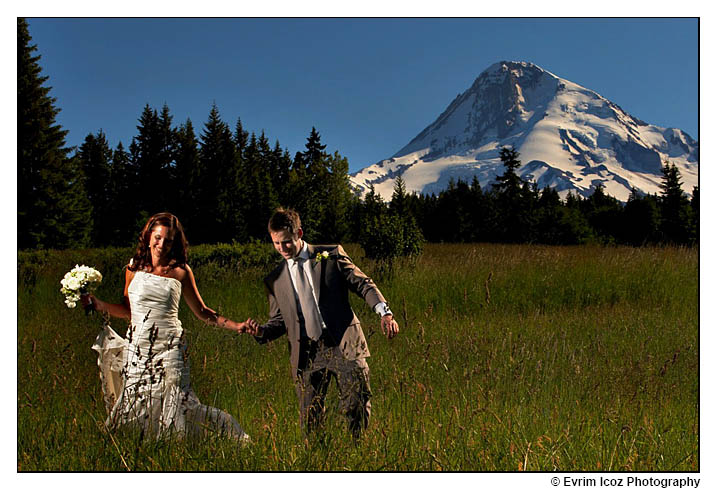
178 252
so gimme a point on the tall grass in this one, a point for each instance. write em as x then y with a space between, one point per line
509 358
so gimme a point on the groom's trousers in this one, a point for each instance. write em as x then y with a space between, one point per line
325 362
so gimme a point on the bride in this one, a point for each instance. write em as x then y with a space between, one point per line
145 376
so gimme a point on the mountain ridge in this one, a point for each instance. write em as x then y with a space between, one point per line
568 137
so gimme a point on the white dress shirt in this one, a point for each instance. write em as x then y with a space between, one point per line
381 308
304 254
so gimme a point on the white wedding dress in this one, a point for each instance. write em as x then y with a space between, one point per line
146 376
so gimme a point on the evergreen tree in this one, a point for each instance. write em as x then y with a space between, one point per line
240 139
575 226
478 219
215 182
374 206
386 234
414 207
641 219
449 214
398 203
94 158
280 164
550 213
528 212
411 238
509 183
260 196
675 207
186 177
123 203
315 151
152 155
430 218
695 207
307 190
514 219
464 224
240 175
168 162
53 209
335 225
604 214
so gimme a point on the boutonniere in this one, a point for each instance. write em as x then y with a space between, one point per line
320 256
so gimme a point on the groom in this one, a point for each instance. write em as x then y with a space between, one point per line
309 302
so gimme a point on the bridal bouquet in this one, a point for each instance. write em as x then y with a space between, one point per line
80 280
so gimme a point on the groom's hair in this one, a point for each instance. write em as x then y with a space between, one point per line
285 219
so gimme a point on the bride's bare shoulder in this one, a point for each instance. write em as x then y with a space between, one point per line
181 273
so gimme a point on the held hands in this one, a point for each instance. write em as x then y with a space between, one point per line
389 326
250 326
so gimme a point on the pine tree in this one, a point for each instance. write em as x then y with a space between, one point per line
674 206
431 221
53 209
528 212
280 164
240 139
509 183
514 219
261 198
549 217
390 233
335 225
476 207
398 204
574 224
124 207
374 206
168 165
695 207
641 219
94 158
216 183
147 156
186 177
604 214
307 192
315 151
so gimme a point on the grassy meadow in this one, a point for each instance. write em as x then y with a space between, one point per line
510 358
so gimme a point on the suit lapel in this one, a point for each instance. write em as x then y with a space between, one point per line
285 291
316 270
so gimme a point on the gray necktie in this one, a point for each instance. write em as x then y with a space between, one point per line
306 301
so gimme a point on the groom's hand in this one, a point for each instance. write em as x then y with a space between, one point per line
389 326
251 327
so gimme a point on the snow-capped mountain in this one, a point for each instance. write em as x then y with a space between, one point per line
568 137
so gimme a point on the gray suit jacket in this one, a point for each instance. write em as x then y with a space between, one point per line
333 277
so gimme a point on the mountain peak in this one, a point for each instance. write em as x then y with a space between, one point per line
569 137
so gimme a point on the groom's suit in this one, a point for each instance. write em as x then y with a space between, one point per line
342 347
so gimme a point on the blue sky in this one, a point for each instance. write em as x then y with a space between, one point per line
369 85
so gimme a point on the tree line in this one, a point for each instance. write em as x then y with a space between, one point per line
513 210
224 183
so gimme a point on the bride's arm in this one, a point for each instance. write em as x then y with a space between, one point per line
201 311
121 310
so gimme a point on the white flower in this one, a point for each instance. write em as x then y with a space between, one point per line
81 279
74 283
321 255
